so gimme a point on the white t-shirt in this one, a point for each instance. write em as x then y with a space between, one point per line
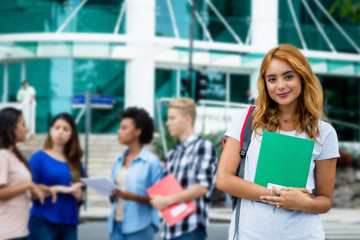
25 94
262 221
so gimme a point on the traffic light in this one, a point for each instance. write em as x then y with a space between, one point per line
186 87
201 86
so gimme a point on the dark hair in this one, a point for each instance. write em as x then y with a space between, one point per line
9 118
72 149
142 120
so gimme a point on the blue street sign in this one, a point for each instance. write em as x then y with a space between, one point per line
96 101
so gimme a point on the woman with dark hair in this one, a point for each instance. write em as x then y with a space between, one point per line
58 166
16 187
132 217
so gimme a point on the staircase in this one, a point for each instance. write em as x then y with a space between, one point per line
103 150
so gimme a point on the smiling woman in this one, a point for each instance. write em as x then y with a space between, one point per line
289 103
283 83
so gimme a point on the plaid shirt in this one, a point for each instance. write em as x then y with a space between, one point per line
192 162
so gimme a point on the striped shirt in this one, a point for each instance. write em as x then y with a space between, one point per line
192 162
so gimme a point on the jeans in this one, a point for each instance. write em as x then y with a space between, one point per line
144 234
197 234
42 229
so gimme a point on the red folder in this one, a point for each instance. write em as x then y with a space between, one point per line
167 186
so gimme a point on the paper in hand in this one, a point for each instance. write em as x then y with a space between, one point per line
102 185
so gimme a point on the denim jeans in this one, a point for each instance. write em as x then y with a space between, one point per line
144 234
42 229
197 234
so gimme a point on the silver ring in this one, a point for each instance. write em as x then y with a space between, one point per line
277 205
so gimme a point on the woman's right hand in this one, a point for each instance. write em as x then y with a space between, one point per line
288 198
49 192
37 193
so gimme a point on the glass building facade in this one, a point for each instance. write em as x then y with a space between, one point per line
63 47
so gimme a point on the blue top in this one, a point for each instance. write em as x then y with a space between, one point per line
144 171
49 171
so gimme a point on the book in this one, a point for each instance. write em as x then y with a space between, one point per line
167 186
284 161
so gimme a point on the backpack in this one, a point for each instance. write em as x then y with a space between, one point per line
245 139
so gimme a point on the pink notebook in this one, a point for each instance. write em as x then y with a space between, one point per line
169 185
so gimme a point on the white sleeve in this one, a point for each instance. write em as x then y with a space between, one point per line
330 146
236 125
18 96
33 91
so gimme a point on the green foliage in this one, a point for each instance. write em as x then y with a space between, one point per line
216 140
158 146
347 8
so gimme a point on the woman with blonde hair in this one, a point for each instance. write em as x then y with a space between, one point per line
58 166
290 102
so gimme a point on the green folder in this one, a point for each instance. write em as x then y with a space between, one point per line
283 160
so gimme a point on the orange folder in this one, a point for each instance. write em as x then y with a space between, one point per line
167 186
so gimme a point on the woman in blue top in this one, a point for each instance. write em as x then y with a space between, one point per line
132 217
58 166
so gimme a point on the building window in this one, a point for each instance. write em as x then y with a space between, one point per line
342 105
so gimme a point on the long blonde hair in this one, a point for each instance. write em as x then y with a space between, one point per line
310 107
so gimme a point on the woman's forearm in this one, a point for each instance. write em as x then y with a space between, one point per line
142 199
127 195
319 204
8 192
240 188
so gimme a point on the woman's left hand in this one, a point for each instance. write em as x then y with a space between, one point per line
77 190
288 198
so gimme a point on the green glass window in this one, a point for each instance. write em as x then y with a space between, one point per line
102 77
342 104
313 38
56 80
23 16
239 84
236 13
216 89
165 87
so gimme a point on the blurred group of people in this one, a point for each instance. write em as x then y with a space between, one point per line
289 102
51 178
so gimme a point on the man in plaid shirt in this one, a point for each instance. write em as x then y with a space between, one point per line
193 162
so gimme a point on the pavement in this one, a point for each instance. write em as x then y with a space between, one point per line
335 215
